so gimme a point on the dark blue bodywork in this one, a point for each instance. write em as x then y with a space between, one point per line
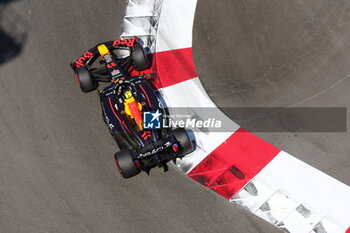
113 107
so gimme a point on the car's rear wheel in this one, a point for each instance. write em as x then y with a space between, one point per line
85 79
139 58
126 164
182 137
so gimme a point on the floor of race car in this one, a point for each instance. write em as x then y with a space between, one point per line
57 172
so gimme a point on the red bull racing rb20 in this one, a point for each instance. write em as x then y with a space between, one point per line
127 100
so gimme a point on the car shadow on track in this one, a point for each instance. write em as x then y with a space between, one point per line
13 32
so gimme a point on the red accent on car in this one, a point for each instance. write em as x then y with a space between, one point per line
125 42
146 134
80 61
144 92
77 77
135 112
175 148
111 65
116 163
115 114
137 163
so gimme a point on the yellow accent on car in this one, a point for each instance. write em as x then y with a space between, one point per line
103 50
126 106
133 109
129 98
128 94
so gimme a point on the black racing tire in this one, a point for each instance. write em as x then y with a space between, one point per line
126 164
182 137
139 58
85 79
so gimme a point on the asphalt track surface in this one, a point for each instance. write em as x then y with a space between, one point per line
56 168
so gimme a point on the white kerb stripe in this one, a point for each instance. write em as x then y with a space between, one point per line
191 95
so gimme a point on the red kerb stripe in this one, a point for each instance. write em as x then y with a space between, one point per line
234 163
173 67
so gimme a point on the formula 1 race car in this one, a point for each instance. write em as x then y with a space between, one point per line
126 101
